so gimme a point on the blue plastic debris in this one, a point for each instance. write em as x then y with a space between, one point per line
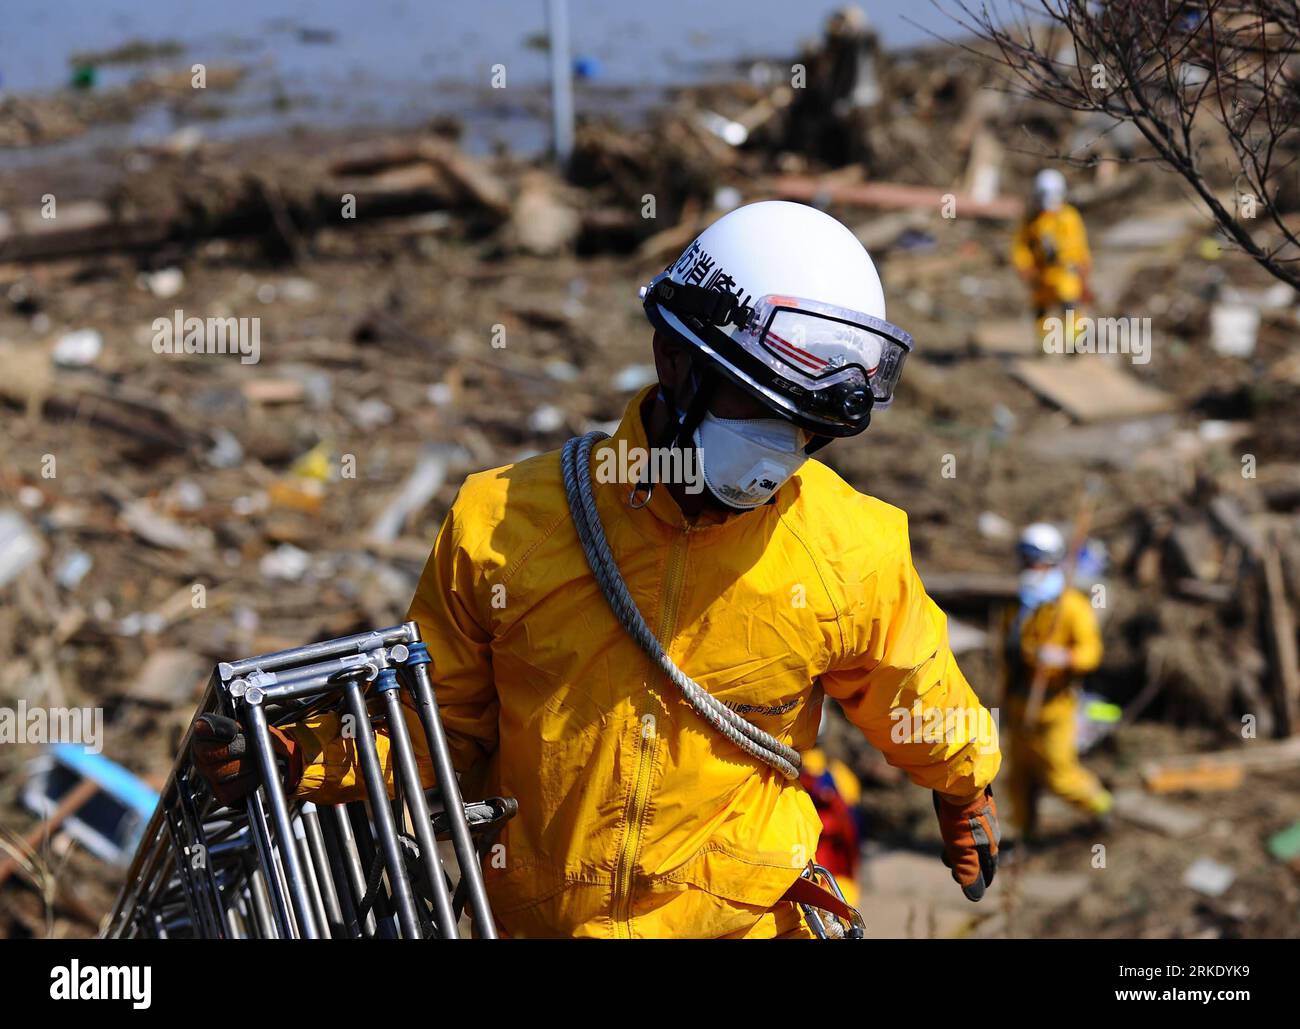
111 823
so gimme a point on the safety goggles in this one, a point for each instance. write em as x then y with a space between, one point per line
824 367
825 348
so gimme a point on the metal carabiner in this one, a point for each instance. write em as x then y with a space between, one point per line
631 496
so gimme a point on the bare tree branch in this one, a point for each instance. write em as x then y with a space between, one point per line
1195 80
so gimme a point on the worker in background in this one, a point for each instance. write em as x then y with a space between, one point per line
765 577
836 793
833 115
1053 635
1050 251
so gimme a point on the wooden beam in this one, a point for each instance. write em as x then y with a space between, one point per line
1281 637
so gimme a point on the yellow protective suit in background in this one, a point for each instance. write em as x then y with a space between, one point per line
1052 246
1046 756
636 818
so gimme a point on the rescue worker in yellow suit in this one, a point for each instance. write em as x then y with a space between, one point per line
764 576
1050 251
1055 630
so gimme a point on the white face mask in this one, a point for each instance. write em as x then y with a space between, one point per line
746 460
1040 586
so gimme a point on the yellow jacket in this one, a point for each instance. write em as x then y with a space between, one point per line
635 817
1053 245
1075 628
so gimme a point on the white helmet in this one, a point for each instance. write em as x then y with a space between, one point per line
1041 543
784 301
1049 189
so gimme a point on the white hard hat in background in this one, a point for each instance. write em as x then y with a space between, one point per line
1041 543
1049 189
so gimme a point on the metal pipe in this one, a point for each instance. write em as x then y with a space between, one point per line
557 21
385 829
315 651
289 856
313 878
342 848
317 677
179 848
449 785
262 840
268 921
363 833
363 838
421 820
325 871
209 892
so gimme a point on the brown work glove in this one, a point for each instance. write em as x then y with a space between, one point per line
223 756
970 841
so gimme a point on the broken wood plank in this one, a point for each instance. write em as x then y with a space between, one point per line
971 586
1225 511
1198 779
1255 755
1166 819
82 227
1091 390
1211 592
964 637
68 805
37 388
170 677
1281 637
473 180
1012 337
273 391
894 196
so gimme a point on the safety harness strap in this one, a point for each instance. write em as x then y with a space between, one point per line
805 891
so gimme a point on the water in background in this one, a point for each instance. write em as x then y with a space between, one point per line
329 63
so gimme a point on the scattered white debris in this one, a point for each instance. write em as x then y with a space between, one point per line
186 494
1209 877
993 526
73 568
1233 329
727 198
78 349
226 451
161 531
249 505
633 376
299 291
164 283
20 547
370 413
184 141
547 418
285 562
561 370
424 480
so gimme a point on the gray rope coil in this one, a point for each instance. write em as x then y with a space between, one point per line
575 465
